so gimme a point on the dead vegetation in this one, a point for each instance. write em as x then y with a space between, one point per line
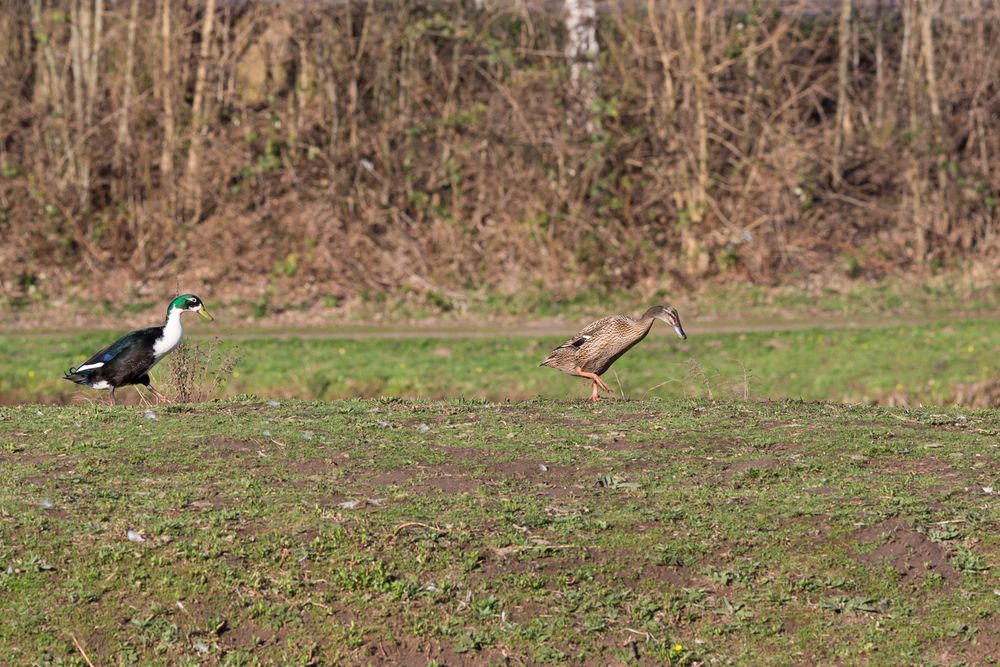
328 150
198 372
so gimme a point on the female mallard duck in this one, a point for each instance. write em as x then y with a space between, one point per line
592 351
128 359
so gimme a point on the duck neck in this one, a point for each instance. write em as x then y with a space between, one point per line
172 332
646 322
649 315
647 318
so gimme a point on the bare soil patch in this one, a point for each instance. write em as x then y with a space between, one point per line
396 477
408 651
911 554
983 651
453 483
738 467
823 490
230 447
313 468
681 577
533 471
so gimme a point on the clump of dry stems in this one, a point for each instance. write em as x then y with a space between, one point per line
198 371
355 149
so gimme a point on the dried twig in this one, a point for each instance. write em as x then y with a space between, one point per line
416 524
621 389
656 386
80 649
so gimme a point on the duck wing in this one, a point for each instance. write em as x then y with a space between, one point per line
591 331
127 351
570 354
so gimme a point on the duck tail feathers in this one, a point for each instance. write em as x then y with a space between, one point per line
551 360
73 376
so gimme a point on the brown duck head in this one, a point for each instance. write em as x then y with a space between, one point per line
669 315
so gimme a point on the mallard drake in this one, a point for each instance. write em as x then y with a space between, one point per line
599 344
128 359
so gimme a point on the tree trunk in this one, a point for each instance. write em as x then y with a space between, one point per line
581 52
667 101
94 59
124 139
844 44
55 95
352 89
193 178
701 121
77 151
167 90
927 50
879 70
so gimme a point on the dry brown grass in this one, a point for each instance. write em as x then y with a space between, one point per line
341 150
198 372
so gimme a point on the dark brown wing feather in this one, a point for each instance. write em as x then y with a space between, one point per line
589 344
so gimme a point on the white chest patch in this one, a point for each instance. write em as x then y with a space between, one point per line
171 338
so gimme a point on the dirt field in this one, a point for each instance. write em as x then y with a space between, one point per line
467 532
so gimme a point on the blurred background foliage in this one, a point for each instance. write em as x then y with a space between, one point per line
328 153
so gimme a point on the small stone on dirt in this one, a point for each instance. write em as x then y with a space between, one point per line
423 428
46 503
543 467
133 536
201 647
350 504
150 414
273 403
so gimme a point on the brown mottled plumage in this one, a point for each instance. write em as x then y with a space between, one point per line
591 352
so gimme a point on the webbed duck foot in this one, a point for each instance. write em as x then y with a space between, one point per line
159 397
595 396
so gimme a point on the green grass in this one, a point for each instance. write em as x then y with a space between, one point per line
275 531
961 291
389 531
916 364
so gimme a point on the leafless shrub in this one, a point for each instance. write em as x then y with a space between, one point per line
198 372
355 149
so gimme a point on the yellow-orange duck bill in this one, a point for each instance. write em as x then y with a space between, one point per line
204 313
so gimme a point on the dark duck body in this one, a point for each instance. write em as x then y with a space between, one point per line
129 359
592 351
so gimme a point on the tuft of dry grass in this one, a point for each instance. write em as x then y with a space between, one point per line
198 372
